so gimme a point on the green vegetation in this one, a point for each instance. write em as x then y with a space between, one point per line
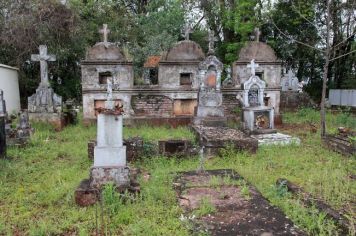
37 184
333 121
205 208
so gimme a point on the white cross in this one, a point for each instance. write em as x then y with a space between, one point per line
186 31
43 57
212 40
253 67
105 31
258 34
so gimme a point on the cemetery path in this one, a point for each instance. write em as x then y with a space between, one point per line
220 202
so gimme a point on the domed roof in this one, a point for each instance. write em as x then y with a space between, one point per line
105 51
257 50
186 50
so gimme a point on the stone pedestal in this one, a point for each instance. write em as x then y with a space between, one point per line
109 153
258 119
118 175
46 106
55 119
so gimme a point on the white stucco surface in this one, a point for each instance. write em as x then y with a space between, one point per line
9 83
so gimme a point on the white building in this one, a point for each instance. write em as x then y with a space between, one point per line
9 83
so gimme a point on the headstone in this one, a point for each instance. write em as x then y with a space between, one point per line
2 126
210 111
110 153
290 82
45 105
256 116
228 81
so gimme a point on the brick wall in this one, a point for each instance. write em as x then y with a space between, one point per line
151 105
230 103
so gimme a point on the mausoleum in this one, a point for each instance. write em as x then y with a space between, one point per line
269 70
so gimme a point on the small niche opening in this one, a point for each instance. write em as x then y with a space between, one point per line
104 76
186 79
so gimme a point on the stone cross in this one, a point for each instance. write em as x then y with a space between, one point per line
253 67
105 31
186 31
43 58
258 34
212 40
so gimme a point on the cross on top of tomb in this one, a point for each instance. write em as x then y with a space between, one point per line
187 30
105 31
212 40
258 34
43 58
253 67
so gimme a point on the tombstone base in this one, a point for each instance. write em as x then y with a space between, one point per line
84 195
118 175
211 121
55 119
276 139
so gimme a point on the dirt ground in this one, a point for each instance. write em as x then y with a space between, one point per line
237 213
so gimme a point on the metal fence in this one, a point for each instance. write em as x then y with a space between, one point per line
342 97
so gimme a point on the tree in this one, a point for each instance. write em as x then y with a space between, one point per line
326 38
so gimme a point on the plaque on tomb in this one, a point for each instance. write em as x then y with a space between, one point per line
262 120
253 97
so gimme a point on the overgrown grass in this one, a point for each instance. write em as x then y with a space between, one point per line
37 183
309 115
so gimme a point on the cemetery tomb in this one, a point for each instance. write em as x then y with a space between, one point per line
210 111
170 87
45 105
23 131
257 118
290 82
269 70
110 165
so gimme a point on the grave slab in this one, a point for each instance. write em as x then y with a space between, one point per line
215 138
275 139
240 209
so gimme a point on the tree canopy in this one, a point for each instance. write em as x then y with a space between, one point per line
294 28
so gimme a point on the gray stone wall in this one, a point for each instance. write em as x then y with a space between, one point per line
122 75
169 75
271 73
